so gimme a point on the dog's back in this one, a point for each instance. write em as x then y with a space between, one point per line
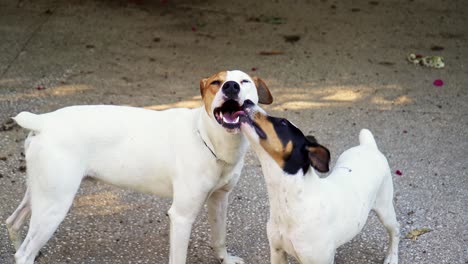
106 142
363 182
362 161
106 117
358 179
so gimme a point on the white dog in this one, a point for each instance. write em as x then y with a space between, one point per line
309 216
193 155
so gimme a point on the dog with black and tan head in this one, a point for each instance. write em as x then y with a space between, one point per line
193 155
311 216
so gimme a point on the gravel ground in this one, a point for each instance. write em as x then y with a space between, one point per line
334 68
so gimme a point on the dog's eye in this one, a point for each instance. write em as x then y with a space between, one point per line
215 82
284 122
245 81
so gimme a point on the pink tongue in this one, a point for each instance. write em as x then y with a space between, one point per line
238 113
232 116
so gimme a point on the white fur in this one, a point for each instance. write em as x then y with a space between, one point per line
157 152
310 216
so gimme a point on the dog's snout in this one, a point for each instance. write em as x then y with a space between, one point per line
231 89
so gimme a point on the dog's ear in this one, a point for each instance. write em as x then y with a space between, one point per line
319 156
202 86
264 95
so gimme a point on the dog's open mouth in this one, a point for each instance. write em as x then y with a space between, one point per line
229 113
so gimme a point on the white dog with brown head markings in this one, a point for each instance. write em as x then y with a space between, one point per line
193 155
311 216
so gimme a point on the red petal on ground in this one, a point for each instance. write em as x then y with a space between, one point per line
438 82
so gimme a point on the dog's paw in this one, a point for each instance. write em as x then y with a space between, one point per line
232 260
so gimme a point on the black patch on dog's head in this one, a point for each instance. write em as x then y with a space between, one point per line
288 146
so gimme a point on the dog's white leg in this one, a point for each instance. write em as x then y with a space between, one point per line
17 219
325 257
53 180
277 254
388 219
47 214
181 227
386 213
183 211
217 213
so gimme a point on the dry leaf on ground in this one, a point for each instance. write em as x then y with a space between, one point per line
415 233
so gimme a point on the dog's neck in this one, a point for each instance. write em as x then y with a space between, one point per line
225 146
285 189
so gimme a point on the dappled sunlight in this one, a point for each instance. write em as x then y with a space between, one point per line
193 102
312 97
307 96
9 81
68 89
401 100
295 105
63 90
104 203
334 96
181 104
344 95
327 96
322 93
18 96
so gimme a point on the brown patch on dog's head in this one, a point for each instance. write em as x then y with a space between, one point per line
272 143
209 87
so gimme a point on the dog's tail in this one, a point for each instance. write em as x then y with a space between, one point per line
366 138
29 121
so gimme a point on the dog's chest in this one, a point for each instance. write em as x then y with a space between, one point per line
283 209
286 195
285 231
285 214
289 211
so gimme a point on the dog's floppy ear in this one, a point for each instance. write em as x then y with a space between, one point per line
202 86
319 156
264 95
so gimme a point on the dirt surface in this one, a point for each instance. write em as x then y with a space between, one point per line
333 68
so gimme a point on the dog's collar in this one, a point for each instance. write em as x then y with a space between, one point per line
208 147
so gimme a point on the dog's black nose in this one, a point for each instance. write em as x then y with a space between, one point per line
231 89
